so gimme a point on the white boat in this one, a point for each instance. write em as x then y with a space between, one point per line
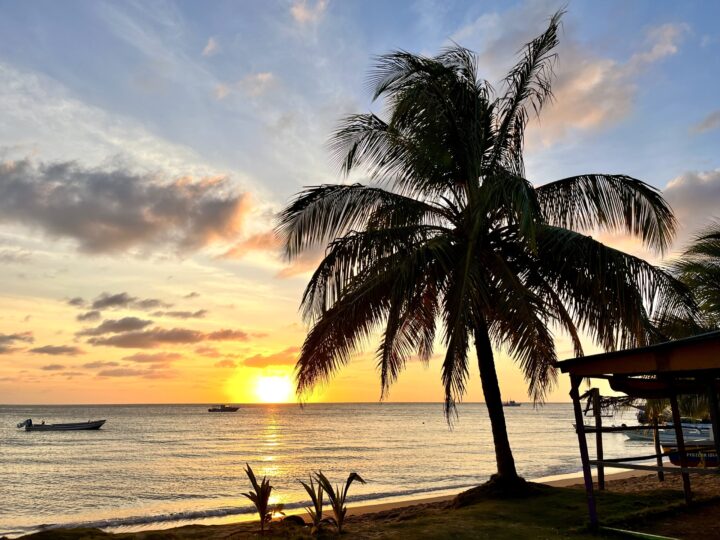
692 433
72 426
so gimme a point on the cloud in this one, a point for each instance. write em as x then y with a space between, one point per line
116 326
210 352
192 294
93 315
199 314
591 91
695 199
256 84
306 262
77 302
305 12
124 300
53 367
110 211
15 256
212 47
264 241
221 91
122 372
157 358
99 364
58 350
709 123
156 337
288 357
8 341
225 364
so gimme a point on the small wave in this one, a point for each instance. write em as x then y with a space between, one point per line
197 515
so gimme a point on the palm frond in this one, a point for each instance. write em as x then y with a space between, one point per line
610 202
529 86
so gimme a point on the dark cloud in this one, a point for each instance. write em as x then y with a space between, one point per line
210 352
225 364
157 358
88 316
199 314
116 326
100 364
77 301
58 350
8 341
288 357
124 300
156 337
192 294
107 211
53 367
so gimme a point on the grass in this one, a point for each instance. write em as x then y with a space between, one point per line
552 513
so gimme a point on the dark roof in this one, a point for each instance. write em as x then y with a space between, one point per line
701 352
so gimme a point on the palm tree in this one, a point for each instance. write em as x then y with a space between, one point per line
699 269
450 230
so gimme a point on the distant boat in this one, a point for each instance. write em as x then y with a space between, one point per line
223 408
74 426
511 403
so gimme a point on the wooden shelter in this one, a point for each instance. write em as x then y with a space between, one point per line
662 371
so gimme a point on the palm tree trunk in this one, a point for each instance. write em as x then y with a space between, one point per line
493 401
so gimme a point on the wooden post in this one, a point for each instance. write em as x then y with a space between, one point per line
582 442
681 445
598 438
714 414
658 450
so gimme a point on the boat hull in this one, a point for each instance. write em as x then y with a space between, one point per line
77 426
225 409
697 456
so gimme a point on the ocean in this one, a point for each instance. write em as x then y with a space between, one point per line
155 466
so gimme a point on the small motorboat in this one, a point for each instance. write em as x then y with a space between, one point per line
73 426
692 433
511 403
697 456
223 408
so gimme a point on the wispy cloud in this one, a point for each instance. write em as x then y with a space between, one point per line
156 337
58 350
8 341
709 123
53 367
116 326
124 300
288 357
212 47
304 11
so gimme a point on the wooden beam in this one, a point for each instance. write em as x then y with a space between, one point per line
673 470
598 437
658 450
714 415
680 439
582 443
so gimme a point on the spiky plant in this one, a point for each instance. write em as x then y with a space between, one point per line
451 230
260 497
316 511
337 496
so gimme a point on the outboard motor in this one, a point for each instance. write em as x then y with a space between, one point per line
26 423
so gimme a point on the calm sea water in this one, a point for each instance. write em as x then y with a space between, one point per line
161 465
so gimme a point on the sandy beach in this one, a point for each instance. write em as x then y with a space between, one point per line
432 517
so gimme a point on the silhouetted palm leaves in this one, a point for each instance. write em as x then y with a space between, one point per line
452 232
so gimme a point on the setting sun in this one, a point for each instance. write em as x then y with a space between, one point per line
274 389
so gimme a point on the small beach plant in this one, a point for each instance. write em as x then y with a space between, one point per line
260 497
316 496
337 496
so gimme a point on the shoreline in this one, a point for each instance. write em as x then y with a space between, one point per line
361 509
